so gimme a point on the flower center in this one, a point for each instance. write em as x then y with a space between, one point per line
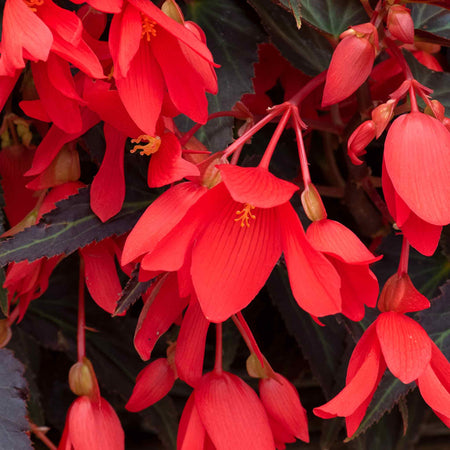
151 147
148 27
245 215
32 4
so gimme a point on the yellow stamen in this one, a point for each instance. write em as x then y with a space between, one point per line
148 27
151 147
32 4
245 215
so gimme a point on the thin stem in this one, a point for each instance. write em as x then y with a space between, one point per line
301 148
42 437
81 329
265 160
309 87
218 363
255 128
413 99
248 337
404 256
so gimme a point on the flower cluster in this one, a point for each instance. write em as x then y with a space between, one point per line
206 246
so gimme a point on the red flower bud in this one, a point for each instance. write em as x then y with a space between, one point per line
400 23
351 63
359 140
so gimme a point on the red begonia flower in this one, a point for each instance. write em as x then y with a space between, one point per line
417 159
92 423
398 342
351 259
232 413
142 36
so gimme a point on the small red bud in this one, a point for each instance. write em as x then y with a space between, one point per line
382 115
312 204
400 295
359 140
400 24
82 379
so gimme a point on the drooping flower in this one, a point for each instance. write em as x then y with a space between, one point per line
157 58
399 343
417 158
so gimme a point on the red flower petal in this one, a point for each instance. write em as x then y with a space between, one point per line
282 403
23 29
108 186
191 432
152 384
159 218
185 86
174 28
63 111
142 90
232 413
158 314
101 275
417 160
94 425
167 166
191 342
361 382
256 186
314 281
230 262
405 344
332 237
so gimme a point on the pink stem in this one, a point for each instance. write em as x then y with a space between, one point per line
218 363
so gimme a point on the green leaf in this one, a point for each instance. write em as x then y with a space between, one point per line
306 49
69 226
333 16
232 35
323 347
432 19
14 424
294 6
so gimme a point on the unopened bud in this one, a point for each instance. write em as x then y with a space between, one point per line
400 295
382 115
437 110
82 380
312 204
5 332
171 9
400 24
359 140
254 367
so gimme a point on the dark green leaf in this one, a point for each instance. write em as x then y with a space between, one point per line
295 7
232 35
322 346
71 225
387 395
305 48
334 16
436 320
438 81
132 291
432 19
12 404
